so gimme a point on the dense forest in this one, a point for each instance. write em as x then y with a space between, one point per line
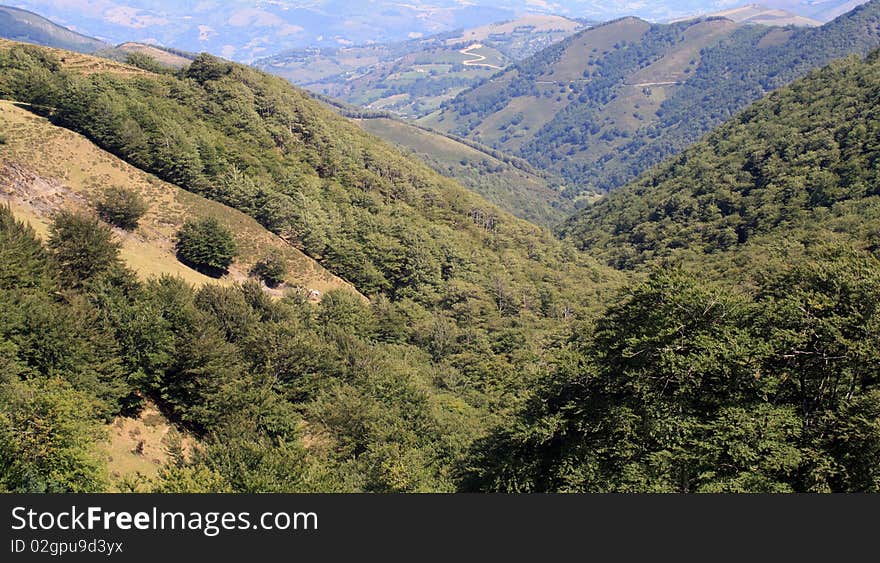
464 298
729 342
761 379
803 161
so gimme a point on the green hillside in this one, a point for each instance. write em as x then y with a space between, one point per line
799 165
746 358
609 103
515 187
21 25
466 300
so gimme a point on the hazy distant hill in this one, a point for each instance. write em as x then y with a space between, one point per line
760 14
414 77
21 25
244 30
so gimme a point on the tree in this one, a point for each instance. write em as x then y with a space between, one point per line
207 246
82 247
25 261
47 439
122 207
271 268
146 62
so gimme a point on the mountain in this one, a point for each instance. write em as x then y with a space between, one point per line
745 356
762 15
795 170
514 186
605 105
414 77
824 11
245 31
21 25
283 392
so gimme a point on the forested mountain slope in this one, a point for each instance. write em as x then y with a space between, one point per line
511 184
747 360
801 163
609 103
466 301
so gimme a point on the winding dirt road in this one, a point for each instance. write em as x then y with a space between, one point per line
478 61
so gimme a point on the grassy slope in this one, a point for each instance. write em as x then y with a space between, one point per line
578 54
84 64
162 56
43 168
636 102
526 195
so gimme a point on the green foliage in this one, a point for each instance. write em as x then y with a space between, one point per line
122 207
479 362
47 439
206 246
192 479
271 269
145 62
690 387
25 260
798 162
82 247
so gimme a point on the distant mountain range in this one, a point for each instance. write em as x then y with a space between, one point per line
762 15
605 105
414 77
28 27
245 30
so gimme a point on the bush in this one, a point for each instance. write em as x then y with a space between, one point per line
271 269
206 246
146 62
2 139
122 207
82 247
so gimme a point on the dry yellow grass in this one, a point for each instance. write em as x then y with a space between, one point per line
44 168
84 64
137 448
160 55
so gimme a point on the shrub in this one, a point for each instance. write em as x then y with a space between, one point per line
206 246
146 62
271 269
82 246
122 207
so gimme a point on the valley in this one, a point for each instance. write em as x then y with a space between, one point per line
545 255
